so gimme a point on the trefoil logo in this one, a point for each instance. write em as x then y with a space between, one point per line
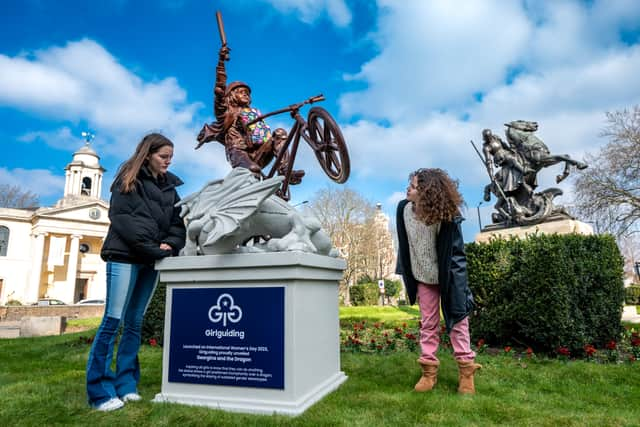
225 310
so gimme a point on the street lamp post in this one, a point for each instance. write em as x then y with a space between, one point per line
479 220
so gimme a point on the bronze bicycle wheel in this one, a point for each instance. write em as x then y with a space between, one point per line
328 144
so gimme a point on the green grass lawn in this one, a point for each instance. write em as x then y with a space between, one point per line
42 384
390 314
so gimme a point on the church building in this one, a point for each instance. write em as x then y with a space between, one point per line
54 252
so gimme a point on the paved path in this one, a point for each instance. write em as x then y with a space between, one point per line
630 314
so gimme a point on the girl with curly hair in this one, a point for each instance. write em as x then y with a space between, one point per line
433 266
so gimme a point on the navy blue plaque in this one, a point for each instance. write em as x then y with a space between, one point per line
227 336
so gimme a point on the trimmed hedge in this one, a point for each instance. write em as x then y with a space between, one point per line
631 295
153 324
391 287
547 291
364 294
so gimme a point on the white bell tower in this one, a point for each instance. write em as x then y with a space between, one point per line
84 174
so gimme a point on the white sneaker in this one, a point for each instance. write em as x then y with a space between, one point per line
110 405
131 397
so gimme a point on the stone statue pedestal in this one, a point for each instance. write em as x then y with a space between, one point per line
563 226
256 333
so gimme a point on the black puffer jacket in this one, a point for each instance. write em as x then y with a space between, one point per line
144 218
455 296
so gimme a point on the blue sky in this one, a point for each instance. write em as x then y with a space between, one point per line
410 82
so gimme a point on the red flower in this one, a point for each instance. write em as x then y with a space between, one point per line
153 342
589 350
355 341
507 349
376 325
410 336
611 345
529 351
373 341
480 343
563 351
632 358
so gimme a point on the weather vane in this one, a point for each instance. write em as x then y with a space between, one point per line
88 136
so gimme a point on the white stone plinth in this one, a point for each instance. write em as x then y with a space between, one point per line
311 353
31 326
565 226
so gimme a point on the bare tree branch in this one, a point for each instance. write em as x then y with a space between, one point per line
608 192
12 196
350 221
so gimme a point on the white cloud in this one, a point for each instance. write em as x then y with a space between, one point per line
563 64
439 140
435 55
574 32
82 81
395 198
32 180
449 52
61 139
309 11
443 72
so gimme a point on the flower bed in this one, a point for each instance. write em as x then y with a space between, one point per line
366 336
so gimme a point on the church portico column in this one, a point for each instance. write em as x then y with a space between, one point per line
98 286
32 292
72 269
67 190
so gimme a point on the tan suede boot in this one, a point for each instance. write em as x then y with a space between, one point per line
429 376
466 371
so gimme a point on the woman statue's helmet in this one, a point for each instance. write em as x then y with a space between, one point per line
236 85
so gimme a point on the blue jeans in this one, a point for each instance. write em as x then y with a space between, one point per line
129 290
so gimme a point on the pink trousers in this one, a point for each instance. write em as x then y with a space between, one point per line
429 302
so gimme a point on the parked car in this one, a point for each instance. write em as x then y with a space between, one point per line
49 301
92 301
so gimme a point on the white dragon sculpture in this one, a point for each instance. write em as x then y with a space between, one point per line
227 213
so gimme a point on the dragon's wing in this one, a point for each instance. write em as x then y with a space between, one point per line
238 204
188 202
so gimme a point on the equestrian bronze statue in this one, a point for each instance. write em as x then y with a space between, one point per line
513 167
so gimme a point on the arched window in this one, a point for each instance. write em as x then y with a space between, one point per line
4 240
86 186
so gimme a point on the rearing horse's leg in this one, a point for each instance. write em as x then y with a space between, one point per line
565 173
567 159
568 162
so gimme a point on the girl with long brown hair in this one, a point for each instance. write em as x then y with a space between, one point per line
145 226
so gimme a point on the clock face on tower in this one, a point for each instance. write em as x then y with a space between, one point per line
94 213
